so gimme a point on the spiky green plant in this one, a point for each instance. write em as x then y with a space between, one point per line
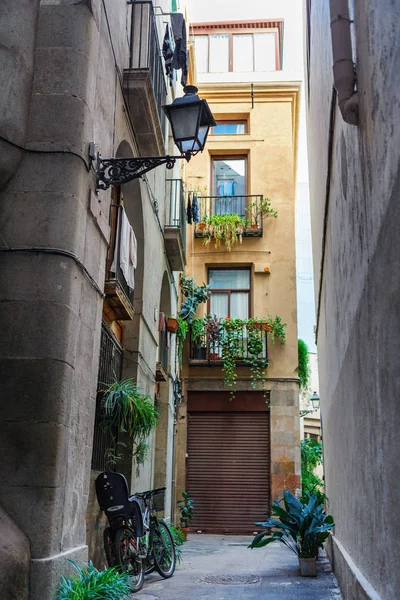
92 584
128 411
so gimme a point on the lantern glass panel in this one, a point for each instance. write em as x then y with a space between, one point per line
184 121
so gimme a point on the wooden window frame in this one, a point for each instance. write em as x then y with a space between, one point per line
231 28
230 290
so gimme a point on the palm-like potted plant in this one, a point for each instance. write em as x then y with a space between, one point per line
301 527
198 339
186 513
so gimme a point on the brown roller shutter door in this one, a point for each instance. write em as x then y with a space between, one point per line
228 469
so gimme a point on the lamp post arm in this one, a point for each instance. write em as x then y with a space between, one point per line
117 171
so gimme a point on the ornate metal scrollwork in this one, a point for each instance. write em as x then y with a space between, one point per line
116 171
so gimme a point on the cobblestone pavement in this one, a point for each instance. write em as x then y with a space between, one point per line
216 567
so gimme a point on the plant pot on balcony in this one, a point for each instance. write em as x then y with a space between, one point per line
254 226
200 353
262 325
213 356
308 567
201 226
172 325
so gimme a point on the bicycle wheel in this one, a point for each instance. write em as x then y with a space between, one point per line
163 549
125 545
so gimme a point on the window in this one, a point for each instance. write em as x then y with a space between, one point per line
243 48
230 128
230 293
229 182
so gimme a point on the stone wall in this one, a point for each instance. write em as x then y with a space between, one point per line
359 317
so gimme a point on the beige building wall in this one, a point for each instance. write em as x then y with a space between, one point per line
270 147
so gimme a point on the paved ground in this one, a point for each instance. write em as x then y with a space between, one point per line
222 567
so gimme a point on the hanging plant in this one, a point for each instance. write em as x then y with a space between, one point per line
181 334
255 356
277 329
126 410
226 227
232 350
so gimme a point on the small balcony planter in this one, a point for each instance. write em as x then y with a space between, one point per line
308 567
200 353
213 356
261 325
172 324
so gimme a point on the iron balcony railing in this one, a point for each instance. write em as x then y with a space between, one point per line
248 207
145 53
206 352
110 369
118 275
177 210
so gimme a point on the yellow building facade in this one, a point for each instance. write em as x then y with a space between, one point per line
237 452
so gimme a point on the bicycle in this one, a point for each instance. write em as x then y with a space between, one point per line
135 539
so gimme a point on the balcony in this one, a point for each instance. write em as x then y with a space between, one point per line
175 228
204 353
118 303
247 207
144 82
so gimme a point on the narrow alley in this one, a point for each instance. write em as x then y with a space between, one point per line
222 567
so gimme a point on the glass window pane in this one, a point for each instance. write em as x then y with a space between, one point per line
239 305
265 51
219 305
229 184
243 53
229 128
201 46
219 53
229 279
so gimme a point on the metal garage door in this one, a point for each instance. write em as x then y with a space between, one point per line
228 469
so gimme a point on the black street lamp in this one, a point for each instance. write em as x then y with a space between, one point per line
190 119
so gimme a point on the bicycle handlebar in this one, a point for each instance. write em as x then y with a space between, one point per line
149 493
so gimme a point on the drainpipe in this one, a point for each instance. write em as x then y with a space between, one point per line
343 66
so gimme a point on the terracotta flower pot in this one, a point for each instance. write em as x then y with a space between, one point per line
254 226
172 325
308 567
213 356
185 531
201 226
262 325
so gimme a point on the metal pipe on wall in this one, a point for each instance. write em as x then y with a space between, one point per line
343 66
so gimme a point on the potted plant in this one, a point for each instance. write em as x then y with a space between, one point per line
261 324
198 339
126 410
232 350
186 513
213 330
300 527
258 210
172 324
226 227
194 294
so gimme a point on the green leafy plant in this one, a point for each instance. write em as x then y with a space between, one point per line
181 334
141 454
304 366
301 526
186 509
311 456
226 227
277 329
197 331
255 356
92 584
232 350
178 538
126 410
260 209
194 294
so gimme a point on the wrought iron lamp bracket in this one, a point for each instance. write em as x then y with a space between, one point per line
117 171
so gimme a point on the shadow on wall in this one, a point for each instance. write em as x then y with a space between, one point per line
15 559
